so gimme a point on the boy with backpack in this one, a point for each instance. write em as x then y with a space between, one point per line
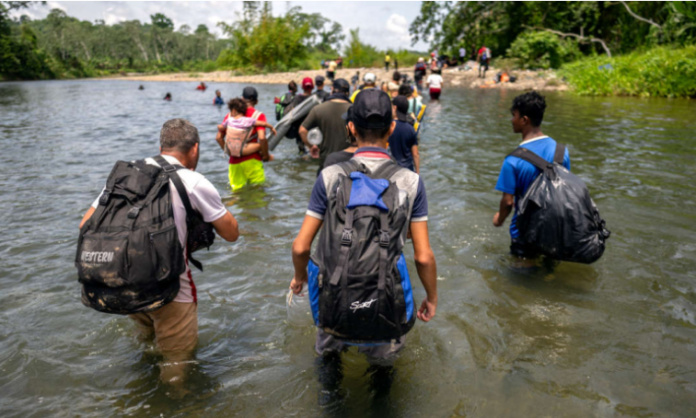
554 214
136 243
357 279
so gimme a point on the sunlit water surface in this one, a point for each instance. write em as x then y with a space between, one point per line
616 338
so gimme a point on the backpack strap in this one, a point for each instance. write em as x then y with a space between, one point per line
386 170
341 272
383 249
170 170
559 155
532 158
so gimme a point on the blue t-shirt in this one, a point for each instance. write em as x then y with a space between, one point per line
400 142
517 175
410 183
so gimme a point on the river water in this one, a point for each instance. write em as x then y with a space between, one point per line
616 338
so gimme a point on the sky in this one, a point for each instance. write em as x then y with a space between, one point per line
382 24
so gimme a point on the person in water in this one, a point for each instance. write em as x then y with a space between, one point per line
293 132
403 142
218 98
370 80
370 123
328 117
320 92
174 326
248 169
237 120
392 87
202 86
516 175
168 97
434 84
346 154
141 87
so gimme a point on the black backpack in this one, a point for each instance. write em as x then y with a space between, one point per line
360 288
556 215
129 257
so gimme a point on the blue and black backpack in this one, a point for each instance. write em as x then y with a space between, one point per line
359 285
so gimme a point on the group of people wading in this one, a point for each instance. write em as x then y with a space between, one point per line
137 239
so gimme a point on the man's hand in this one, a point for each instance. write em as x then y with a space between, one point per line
273 130
427 310
496 220
296 286
314 151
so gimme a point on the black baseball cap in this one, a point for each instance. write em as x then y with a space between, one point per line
342 85
319 79
250 93
401 103
372 109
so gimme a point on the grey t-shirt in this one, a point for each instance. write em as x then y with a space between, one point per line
327 116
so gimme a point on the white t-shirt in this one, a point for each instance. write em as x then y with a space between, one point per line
434 81
205 199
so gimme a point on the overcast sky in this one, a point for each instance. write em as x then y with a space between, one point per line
382 24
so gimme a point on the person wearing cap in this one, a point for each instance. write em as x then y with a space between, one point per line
328 117
248 169
403 142
320 92
434 84
370 80
293 132
371 122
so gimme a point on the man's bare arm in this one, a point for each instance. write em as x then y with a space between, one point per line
300 251
505 208
416 158
427 269
226 226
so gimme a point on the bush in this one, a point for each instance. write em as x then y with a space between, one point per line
662 72
542 50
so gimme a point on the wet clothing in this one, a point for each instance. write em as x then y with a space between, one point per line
516 175
328 117
400 143
410 187
246 172
434 93
218 101
174 326
205 199
249 168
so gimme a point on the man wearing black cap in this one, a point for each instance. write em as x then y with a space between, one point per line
328 117
403 142
371 122
321 93
249 167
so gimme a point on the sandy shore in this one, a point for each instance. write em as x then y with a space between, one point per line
526 80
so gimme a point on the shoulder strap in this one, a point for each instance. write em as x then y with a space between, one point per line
559 155
350 166
386 170
178 184
170 170
530 157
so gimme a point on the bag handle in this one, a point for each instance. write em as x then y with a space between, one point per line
534 159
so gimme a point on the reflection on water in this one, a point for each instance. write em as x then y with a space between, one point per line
613 338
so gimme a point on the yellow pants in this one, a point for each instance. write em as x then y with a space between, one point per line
249 171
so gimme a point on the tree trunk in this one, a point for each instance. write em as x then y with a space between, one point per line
141 47
89 57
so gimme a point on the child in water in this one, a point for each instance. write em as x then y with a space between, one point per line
236 128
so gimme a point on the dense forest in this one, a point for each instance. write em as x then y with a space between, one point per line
631 39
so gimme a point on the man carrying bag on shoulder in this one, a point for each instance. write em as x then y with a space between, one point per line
137 239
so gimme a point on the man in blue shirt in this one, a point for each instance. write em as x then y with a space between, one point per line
517 175
403 142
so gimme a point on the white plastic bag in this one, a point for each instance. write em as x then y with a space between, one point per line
299 313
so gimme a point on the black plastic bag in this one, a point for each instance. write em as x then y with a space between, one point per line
556 215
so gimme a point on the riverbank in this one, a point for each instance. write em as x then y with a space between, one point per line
466 76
